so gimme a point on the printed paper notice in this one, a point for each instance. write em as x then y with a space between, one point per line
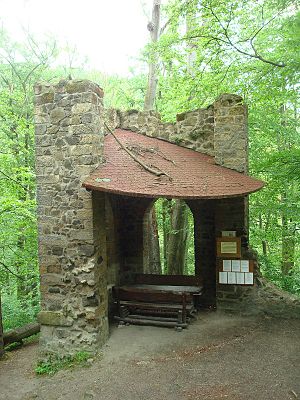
222 277
244 265
240 278
249 278
231 277
227 265
236 265
228 247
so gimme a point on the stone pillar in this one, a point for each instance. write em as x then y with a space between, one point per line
231 151
132 212
71 221
205 248
231 132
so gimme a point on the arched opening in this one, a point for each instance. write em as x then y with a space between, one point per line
169 238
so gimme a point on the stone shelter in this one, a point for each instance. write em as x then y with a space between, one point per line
92 197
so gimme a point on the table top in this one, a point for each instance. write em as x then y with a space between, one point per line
165 288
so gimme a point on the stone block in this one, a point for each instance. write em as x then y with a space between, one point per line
46 97
57 115
54 318
52 280
80 86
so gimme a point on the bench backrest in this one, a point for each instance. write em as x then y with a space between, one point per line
146 296
180 280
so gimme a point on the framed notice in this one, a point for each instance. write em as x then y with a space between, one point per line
229 247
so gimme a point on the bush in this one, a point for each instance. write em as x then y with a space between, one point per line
16 313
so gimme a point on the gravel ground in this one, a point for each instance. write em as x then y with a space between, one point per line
218 357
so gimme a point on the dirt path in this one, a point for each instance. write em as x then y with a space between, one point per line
218 357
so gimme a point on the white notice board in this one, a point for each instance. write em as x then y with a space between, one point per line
236 272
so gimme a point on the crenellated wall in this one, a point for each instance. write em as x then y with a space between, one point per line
90 240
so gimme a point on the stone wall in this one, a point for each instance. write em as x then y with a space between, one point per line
71 221
219 130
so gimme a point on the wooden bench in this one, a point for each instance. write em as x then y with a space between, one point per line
158 300
176 280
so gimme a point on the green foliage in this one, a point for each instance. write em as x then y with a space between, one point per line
54 364
17 312
250 48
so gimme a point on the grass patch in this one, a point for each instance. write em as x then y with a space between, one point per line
55 364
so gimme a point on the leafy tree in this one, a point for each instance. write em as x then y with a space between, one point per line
249 48
20 67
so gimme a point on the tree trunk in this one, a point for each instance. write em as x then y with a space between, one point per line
263 242
153 28
18 334
178 239
288 226
165 222
1 333
288 241
191 44
152 264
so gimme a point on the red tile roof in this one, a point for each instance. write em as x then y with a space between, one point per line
191 175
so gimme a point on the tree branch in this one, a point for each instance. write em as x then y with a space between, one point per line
228 41
14 180
146 167
11 272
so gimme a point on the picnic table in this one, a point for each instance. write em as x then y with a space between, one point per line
158 301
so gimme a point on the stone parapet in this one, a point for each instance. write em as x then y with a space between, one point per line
193 130
231 132
219 130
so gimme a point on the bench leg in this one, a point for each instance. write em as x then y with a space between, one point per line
123 312
180 317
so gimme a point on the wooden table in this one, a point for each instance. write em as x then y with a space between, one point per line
162 305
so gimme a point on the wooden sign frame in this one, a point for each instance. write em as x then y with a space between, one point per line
236 247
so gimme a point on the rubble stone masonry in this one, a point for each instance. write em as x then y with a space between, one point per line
72 226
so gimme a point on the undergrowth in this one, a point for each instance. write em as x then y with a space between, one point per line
54 364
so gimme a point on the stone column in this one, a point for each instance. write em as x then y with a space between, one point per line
231 132
132 211
231 147
231 151
71 221
205 248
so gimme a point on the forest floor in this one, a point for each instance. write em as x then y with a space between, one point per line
218 357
